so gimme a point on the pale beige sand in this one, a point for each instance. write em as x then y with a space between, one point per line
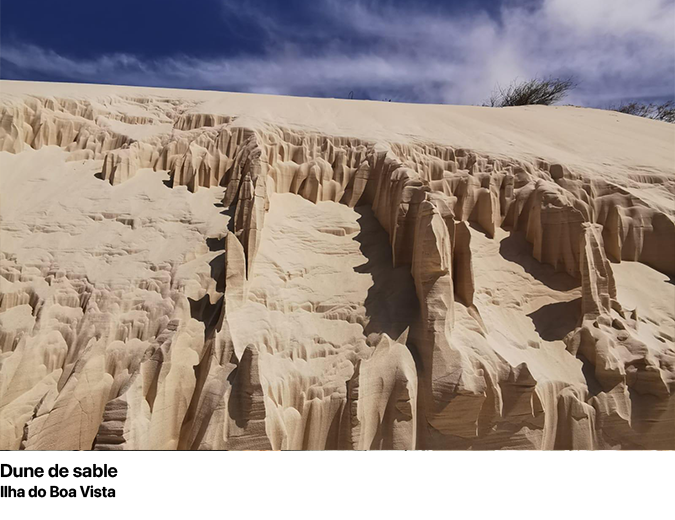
201 270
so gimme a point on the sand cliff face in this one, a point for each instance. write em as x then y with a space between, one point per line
173 276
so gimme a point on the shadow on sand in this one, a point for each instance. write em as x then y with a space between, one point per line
391 303
515 248
555 320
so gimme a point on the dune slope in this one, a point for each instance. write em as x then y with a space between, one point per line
202 270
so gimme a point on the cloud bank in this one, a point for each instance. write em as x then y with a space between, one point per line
615 49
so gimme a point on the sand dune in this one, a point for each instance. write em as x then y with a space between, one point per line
201 270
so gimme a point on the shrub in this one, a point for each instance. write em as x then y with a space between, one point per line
663 112
533 92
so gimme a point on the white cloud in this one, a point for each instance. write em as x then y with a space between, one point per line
614 48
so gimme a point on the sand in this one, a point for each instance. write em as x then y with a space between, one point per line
201 270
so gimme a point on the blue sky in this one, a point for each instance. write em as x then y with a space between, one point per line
415 51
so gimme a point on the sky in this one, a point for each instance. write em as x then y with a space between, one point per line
422 51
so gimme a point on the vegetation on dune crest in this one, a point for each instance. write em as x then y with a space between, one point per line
663 112
532 92
548 91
